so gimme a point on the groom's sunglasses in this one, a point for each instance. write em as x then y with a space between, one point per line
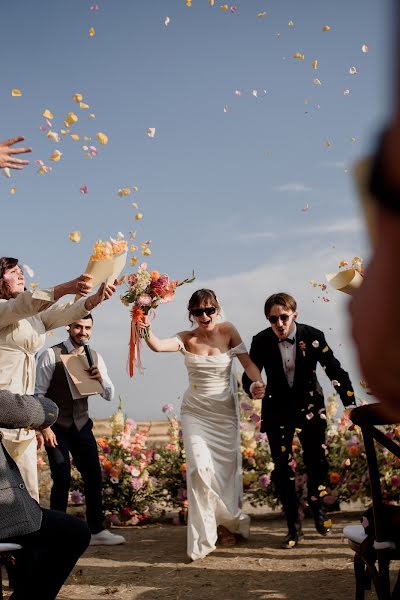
284 318
209 310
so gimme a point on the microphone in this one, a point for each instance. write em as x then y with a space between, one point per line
88 353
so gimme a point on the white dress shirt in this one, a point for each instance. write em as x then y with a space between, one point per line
288 353
45 369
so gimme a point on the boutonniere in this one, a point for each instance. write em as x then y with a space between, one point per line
302 346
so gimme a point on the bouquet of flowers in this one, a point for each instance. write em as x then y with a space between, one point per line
146 290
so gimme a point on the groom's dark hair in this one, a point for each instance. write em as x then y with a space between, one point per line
282 299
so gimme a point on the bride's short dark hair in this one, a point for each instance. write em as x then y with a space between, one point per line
200 297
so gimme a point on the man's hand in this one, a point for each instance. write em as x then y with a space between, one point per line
6 154
39 441
49 437
95 373
257 390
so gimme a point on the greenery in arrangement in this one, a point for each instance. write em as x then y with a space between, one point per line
140 482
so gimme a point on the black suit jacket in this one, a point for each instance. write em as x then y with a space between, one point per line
282 403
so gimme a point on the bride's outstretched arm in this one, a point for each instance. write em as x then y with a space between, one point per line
251 369
157 345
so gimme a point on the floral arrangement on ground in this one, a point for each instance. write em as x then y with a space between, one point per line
142 482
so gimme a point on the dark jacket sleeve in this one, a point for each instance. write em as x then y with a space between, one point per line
257 358
26 411
337 375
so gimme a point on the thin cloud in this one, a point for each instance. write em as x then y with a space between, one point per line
353 225
292 186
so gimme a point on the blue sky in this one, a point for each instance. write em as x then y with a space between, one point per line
221 192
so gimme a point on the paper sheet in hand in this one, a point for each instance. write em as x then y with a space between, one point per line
75 365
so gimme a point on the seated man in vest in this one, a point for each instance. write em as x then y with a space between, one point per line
72 432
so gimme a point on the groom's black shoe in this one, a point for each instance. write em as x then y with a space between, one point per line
292 539
322 523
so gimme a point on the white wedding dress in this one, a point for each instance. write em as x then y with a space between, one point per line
211 436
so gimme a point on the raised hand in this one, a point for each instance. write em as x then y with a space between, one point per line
6 154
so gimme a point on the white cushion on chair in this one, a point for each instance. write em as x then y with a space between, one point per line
8 547
355 533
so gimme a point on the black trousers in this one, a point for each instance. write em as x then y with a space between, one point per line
48 555
312 439
83 448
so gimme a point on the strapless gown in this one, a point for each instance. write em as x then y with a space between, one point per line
211 436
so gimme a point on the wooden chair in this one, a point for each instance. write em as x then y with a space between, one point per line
6 549
372 557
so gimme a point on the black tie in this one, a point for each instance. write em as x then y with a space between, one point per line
290 340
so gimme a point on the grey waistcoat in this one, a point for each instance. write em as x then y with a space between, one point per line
70 411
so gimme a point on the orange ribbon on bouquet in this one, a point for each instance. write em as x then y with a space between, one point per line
137 316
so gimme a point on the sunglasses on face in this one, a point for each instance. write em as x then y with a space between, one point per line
209 310
274 319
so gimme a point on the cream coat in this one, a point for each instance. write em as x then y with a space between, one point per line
24 321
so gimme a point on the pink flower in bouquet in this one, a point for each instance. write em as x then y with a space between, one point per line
264 480
132 279
255 418
261 437
137 483
167 408
144 300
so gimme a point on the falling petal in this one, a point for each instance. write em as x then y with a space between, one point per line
146 252
83 105
75 236
53 135
83 189
71 119
316 81
167 21
133 248
238 93
138 216
364 49
298 55
226 108
346 92
306 208
33 286
326 28
92 116
28 270
16 93
13 190
124 192
92 32
314 64
151 132
133 261
224 7
212 2
103 139
75 137
56 156
353 70
48 114
290 24
353 139
260 15
77 97
188 3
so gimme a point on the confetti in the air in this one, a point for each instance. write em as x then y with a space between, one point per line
167 21
92 32
151 132
316 81
364 49
326 28
298 55
314 65
48 114
13 190
138 216
103 139
83 189
56 156
75 236
353 70
16 93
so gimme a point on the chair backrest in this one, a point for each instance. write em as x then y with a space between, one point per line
367 417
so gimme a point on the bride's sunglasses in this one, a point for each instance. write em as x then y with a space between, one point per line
198 312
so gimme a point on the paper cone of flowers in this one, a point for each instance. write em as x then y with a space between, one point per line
345 281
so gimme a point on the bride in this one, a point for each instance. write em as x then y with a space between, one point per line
210 424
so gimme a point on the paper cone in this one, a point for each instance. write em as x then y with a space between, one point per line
345 281
106 270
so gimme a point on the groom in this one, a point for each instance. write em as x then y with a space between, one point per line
294 403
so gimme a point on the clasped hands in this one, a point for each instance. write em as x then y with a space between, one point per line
257 390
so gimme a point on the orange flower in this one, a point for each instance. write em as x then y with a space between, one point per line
353 451
334 477
102 442
155 275
114 472
249 452
137 314
182 468
107 465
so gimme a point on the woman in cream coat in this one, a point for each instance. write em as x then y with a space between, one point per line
25 317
